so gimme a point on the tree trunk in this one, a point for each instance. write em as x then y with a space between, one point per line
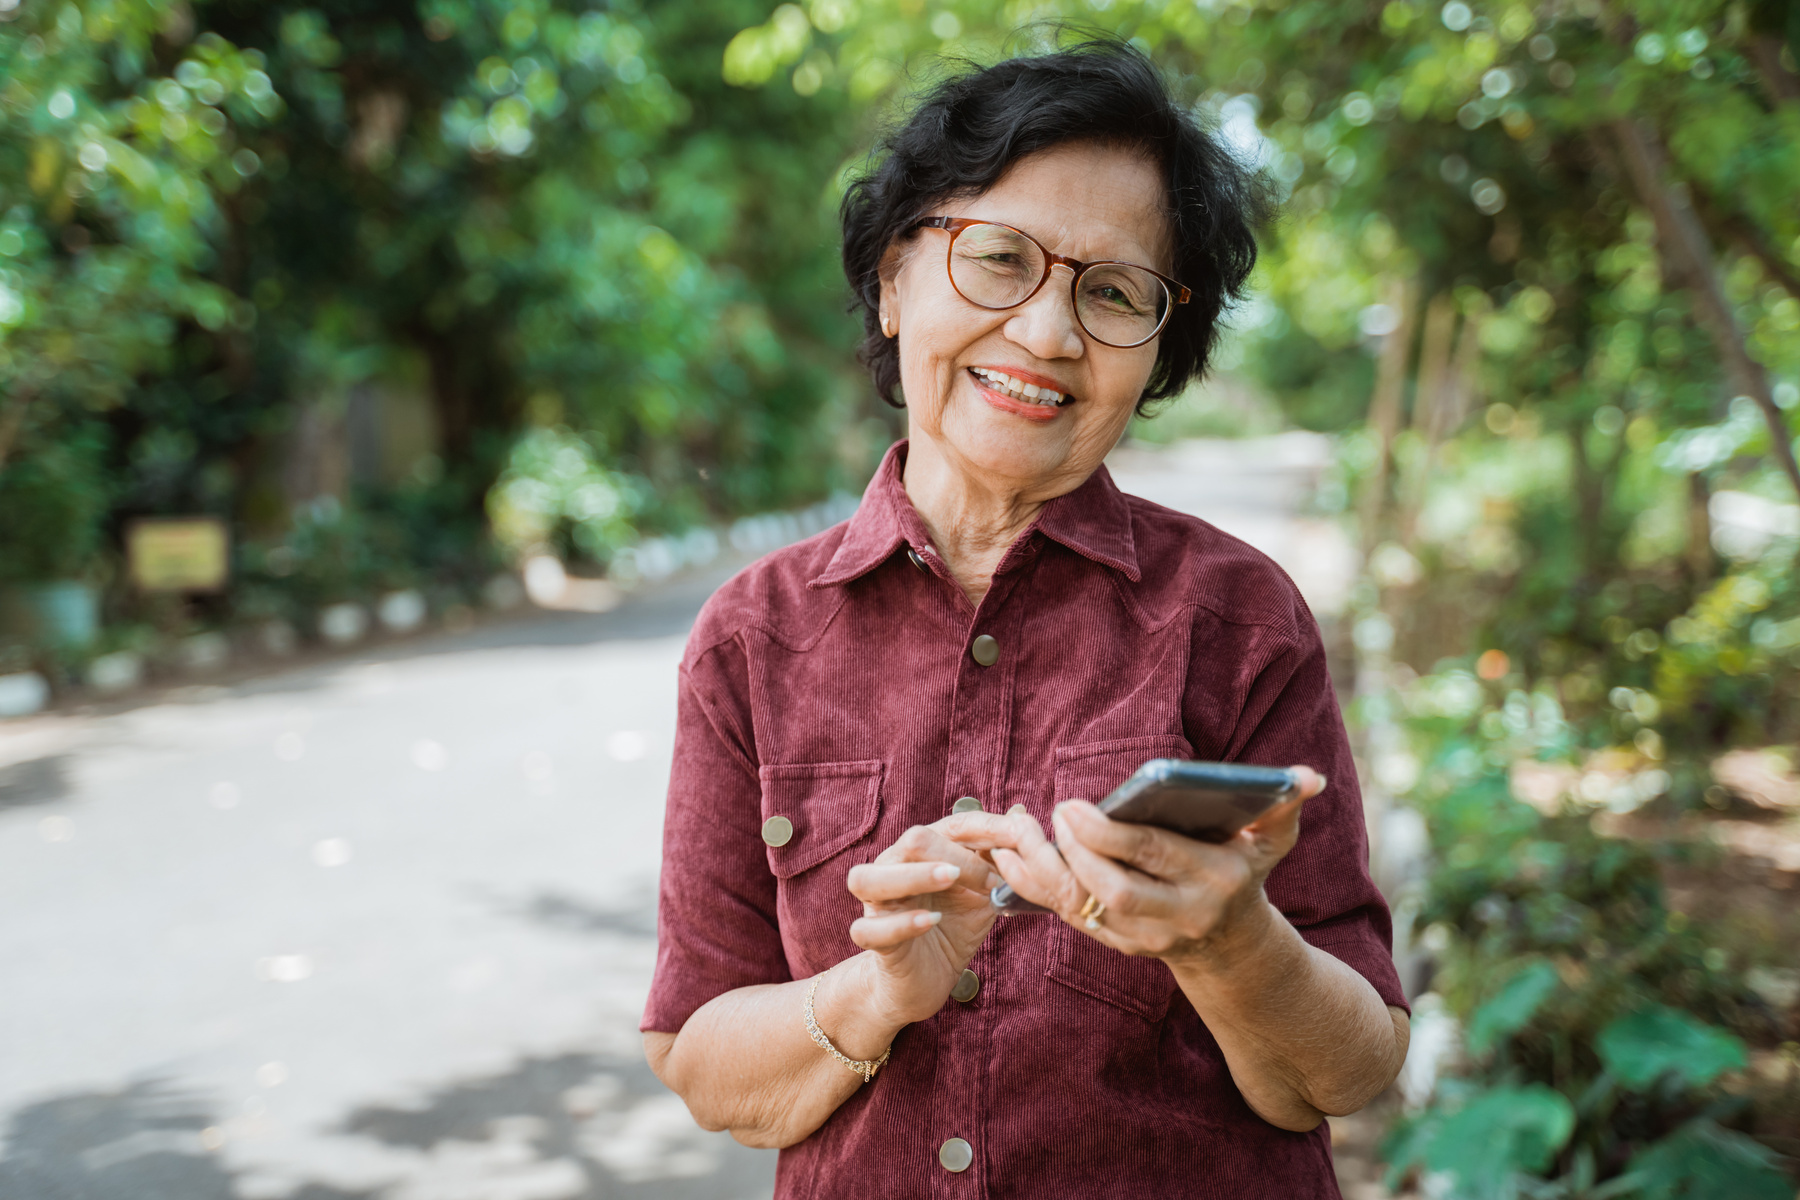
1466 358
1699 550
12 424
1688 252
1384 409
1747 237
1430 397
1764 50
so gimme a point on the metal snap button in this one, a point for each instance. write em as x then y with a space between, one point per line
956 1155
778 831
917 559
985 650
966 804
966 987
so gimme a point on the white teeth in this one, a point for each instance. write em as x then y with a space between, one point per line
1028 392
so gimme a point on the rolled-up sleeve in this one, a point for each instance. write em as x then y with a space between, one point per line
1291 717
716 925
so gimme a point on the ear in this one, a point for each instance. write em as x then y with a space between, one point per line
889 272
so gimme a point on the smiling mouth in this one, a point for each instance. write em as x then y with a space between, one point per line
1014 389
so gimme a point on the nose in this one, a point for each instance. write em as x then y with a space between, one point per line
1045 325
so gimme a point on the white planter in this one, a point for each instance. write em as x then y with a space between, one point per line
203 653
119 671
402 611
342 624
503 592
545 580
277 638
23 694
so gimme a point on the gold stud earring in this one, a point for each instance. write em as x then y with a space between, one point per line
886 327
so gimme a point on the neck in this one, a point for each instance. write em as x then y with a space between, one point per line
972 518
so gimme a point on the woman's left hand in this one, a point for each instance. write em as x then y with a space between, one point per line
1165 895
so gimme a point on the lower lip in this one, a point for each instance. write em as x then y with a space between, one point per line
1005 403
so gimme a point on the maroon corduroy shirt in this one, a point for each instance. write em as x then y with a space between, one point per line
832 683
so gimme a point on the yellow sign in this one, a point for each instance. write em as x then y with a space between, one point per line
178 554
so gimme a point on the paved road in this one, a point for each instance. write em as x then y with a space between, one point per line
377 927
381 927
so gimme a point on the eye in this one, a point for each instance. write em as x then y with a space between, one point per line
1114 297
995 258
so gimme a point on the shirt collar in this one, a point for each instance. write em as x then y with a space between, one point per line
1094 520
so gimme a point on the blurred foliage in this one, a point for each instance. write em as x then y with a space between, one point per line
227 225
553 493
53 502
1606 1036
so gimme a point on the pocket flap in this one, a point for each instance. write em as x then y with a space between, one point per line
1141 986
831 806
1092 769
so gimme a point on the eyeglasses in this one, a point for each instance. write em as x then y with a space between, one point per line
995 266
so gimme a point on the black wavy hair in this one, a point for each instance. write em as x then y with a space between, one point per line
971 127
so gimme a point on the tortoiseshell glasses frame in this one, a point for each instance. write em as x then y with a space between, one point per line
1173 292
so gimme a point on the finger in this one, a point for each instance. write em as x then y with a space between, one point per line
1153 851
1019 876
1037 871
926 843
985 830
888 930
1281 824
878 883
1123 891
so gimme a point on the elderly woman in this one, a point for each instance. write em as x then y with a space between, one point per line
880 723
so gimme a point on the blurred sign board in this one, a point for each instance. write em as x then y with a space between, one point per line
178 554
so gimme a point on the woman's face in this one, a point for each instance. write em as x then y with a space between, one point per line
1084 200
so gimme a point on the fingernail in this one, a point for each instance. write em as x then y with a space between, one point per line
1016 809
1323 783
943 873
927 920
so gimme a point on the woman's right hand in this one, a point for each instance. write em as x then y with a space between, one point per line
925 912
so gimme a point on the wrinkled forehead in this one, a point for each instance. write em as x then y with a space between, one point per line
1087 200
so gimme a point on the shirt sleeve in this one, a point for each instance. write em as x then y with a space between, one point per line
716 927
1290 717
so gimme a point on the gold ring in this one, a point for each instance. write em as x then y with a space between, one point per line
1092 911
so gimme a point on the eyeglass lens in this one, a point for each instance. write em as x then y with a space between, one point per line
997 267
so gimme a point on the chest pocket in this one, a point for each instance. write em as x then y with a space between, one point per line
831 809
828 807
1141 986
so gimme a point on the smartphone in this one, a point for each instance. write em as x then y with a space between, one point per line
1203 800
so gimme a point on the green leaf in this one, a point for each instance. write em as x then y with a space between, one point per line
1513 1007
1641 1047
1499 1132
1701 1161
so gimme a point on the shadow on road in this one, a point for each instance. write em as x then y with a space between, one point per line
142 1143
607 1121
34 781
577 1126
569 914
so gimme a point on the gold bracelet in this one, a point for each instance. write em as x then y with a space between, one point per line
866 1068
